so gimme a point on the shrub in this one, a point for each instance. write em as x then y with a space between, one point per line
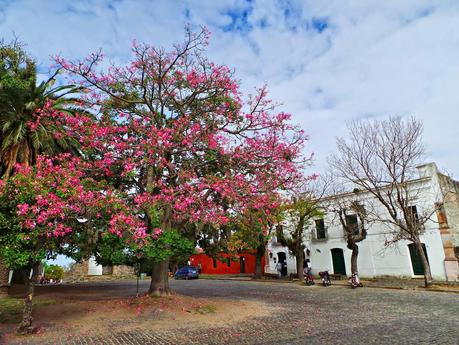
54 272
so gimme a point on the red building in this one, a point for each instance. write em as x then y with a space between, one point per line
225 263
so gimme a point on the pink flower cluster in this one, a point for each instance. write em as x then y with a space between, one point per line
58 194
195 148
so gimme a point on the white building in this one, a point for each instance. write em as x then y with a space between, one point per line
94 269
327 248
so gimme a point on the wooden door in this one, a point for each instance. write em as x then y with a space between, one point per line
339 266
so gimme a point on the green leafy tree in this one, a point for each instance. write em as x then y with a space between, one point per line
110 250
46 207
252 230
54 272
298 212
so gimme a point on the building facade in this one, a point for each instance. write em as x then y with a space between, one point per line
327 247
243 263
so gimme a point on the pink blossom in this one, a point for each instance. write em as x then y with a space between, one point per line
22 209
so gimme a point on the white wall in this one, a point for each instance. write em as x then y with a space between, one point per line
375 259
93 268
271 267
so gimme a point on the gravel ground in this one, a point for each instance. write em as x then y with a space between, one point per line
301 315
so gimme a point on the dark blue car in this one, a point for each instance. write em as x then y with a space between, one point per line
187 272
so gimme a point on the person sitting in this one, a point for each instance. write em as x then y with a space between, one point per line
306 271
279 269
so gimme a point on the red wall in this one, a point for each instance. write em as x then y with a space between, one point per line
207 264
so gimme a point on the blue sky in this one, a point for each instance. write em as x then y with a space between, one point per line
327 62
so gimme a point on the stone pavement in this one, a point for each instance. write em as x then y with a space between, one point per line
302 315
384 282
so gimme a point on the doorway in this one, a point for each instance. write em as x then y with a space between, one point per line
339 266
242 264
416 262
282 258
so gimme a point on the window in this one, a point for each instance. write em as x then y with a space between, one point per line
279 231
320 229
412 214
352 224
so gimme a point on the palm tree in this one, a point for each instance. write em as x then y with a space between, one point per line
20 99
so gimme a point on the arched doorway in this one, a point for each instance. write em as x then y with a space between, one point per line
416 262
282 258
339 266
242 264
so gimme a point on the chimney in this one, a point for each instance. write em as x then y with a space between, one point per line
427 170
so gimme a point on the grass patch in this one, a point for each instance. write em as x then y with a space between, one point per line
205 309
11 308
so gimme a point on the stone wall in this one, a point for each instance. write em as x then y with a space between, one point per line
449 227
4 275
452 210
79 272
123 271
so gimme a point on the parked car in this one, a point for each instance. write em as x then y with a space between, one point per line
187 272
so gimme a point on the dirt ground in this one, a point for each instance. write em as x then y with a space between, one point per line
232 312
97 312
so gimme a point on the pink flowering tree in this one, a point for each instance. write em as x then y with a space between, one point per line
43 208
174 133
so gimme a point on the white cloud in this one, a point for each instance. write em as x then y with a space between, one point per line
373 58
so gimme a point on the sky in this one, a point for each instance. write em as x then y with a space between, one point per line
326 62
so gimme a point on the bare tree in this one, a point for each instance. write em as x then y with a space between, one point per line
380 157
349 210
354 231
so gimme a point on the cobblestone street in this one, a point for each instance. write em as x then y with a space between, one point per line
303 315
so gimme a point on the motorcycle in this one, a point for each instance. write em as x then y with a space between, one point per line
354 280
325 278
308 278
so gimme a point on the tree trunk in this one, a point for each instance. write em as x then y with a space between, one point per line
425 264
26 324
354 256
4 275
299 264
159 285
175 267
259 263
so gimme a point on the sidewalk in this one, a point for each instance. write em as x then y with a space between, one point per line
385 283
403 284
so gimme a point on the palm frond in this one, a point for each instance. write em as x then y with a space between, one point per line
17 140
